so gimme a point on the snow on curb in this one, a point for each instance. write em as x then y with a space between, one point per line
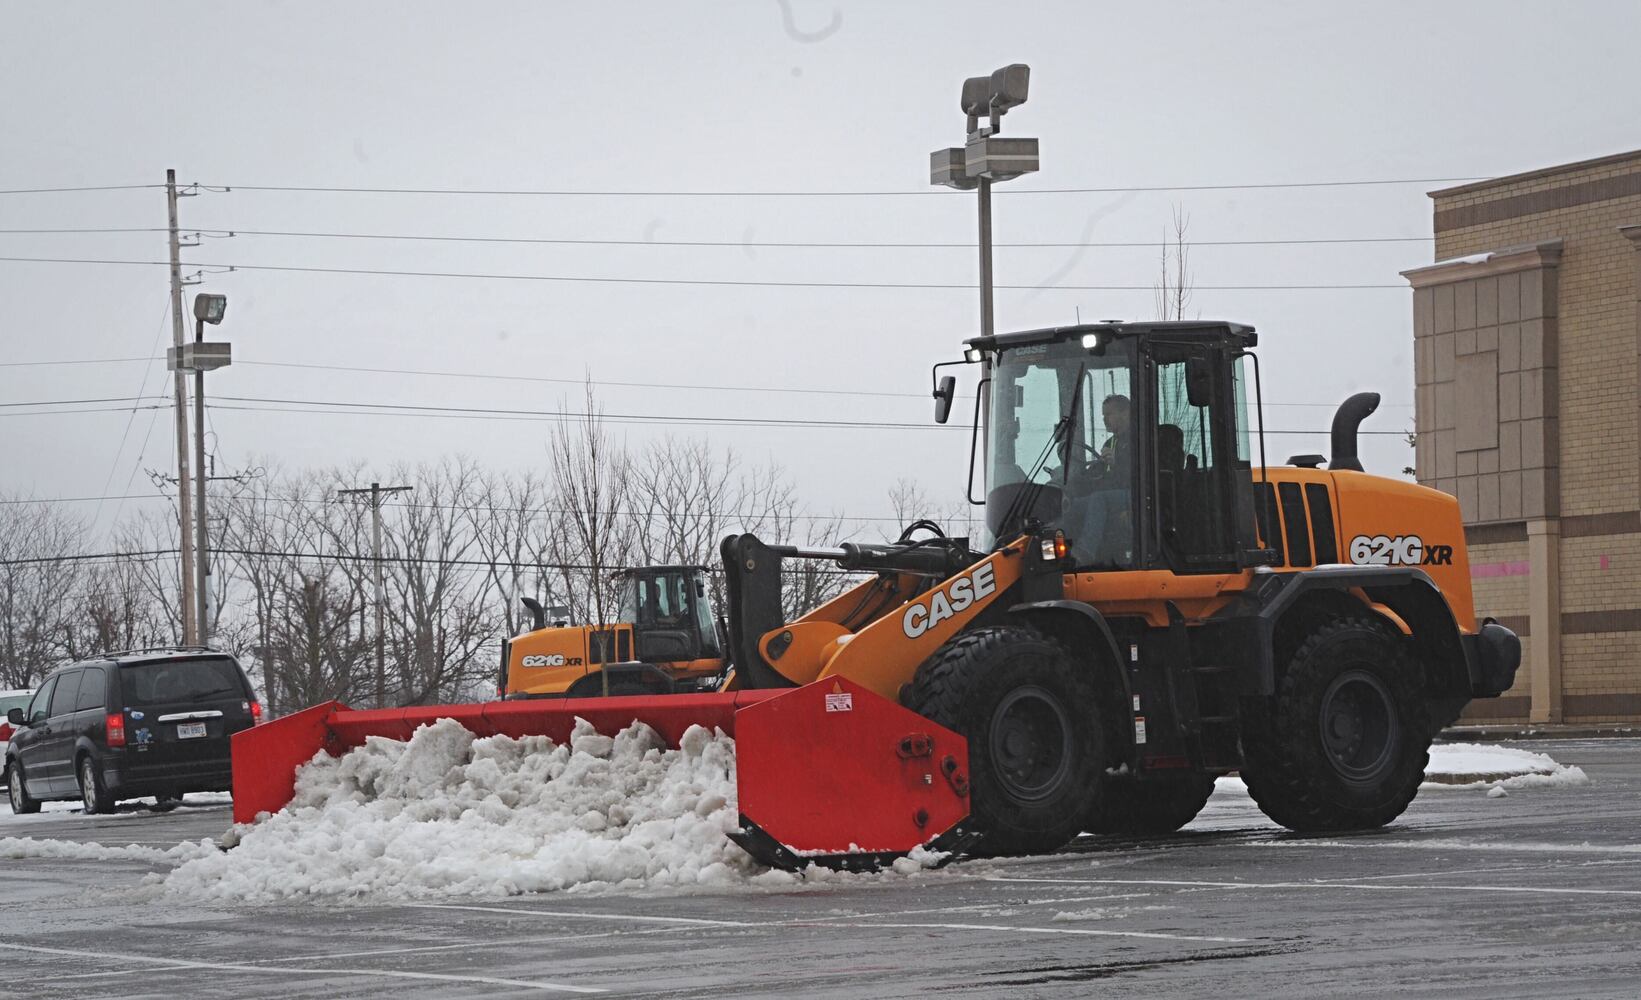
450 814
1497 768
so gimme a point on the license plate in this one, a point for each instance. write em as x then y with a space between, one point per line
190 730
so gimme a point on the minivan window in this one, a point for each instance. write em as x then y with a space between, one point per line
167 681
93 690
37 708
68 688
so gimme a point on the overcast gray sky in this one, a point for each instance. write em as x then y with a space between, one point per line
805 96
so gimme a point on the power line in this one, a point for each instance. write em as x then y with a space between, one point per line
722 282
499 377
100 187
404 560
425 505
73 402
89 409
919 193
74 361
739 244
643 385
278 405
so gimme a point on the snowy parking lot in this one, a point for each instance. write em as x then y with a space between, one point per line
1488 886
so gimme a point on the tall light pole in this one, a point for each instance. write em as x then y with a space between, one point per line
984 159
376 491
203 358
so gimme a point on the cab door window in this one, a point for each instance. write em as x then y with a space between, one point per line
1194 450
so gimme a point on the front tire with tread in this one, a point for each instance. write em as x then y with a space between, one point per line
21 802
1315 763
1027 709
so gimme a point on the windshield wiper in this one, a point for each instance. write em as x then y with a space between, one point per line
1026 499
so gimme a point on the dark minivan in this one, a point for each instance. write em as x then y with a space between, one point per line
149 722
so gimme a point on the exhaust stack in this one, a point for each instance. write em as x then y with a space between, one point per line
1346 420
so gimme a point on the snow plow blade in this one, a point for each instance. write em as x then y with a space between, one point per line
828 773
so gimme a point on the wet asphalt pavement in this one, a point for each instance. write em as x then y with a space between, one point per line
1535 894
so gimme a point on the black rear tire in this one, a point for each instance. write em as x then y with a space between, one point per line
21 802
93 794
1035 745
1344 743
1158 804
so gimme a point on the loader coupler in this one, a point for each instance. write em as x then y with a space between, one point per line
828 773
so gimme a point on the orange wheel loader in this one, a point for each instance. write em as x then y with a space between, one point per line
664 641
1150 605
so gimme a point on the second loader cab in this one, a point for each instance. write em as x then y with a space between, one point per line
670 612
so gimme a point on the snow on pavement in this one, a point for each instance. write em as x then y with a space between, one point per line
448 814
1496 768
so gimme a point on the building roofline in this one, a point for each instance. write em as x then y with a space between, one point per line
1528 175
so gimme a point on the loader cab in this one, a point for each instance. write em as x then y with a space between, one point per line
670 611
1132 439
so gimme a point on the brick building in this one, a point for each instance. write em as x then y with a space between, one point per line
1527 336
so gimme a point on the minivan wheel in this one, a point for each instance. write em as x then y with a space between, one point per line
21 803
92 792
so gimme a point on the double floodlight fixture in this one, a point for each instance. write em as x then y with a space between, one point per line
992 96
210 308
986 155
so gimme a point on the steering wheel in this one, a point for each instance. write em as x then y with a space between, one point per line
1092 469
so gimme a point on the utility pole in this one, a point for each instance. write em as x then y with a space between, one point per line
185 510
376 492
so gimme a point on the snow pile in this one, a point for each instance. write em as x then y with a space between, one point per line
449 814
1478 765
23 848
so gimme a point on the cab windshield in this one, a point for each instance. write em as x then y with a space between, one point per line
1060 448
655 599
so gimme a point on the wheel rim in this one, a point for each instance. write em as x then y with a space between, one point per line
1360 727
14 789
88 791
1030 743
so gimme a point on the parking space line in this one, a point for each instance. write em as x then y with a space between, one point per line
534 939
590 915
1546 890
178 964
1073 931
971 907
864 923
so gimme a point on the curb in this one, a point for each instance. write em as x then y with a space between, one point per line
1471 734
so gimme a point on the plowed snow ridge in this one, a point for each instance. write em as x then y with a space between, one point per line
448 814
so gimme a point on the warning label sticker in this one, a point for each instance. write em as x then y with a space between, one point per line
841 701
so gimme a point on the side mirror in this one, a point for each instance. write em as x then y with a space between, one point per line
943 396
1199 381
15 717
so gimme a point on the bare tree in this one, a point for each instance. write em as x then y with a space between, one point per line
588 523
39 575
1175 285
440 618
